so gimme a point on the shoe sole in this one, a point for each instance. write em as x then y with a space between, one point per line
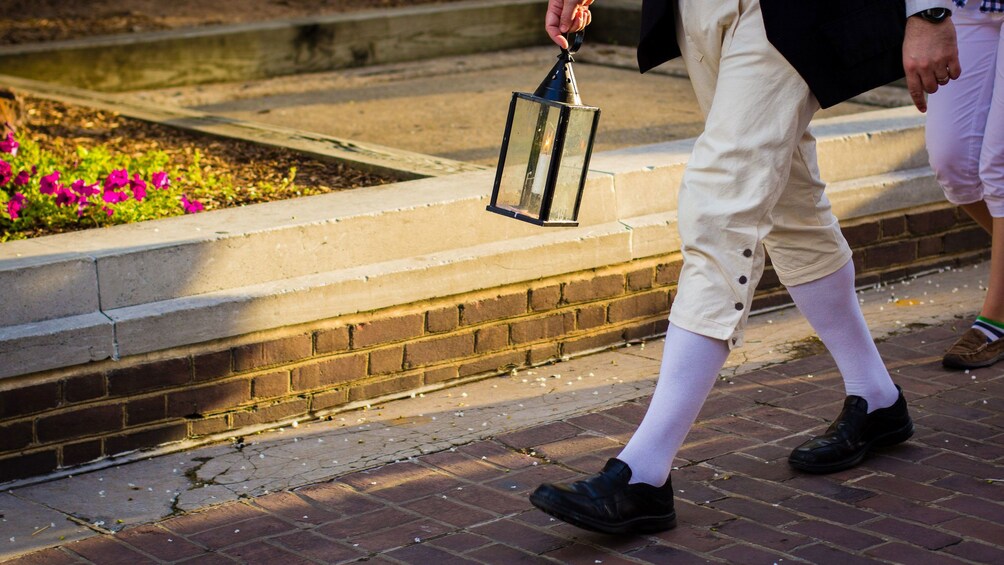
952 363
892 438
644 525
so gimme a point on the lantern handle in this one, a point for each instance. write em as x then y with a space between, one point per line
575 41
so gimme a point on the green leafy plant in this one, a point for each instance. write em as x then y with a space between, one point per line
41 192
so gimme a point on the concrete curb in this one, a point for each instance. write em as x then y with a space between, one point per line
250 51
180 281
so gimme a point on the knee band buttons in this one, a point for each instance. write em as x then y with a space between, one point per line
743 279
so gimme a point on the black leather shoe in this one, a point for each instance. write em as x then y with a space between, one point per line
606 503
852 435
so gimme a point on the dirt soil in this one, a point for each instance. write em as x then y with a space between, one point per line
31 21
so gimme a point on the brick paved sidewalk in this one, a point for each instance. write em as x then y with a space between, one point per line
937 499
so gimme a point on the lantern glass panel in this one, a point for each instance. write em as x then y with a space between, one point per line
572 171
528 156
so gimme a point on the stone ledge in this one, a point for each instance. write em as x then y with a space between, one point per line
35 277
876 194
195 319
63 342
257 50
179 281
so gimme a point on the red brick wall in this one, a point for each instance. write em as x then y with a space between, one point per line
66 418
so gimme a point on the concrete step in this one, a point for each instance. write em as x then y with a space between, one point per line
248 51
184 281
236 311
855 146
911 188
183 320
870 143
133 261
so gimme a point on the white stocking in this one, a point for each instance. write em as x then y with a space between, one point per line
690 365
831 306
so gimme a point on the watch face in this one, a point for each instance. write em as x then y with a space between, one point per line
936 14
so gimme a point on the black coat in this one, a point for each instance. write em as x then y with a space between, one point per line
841 48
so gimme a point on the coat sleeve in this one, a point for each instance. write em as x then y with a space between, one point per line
657 43
914 6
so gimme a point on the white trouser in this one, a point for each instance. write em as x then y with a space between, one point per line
752 178
965 118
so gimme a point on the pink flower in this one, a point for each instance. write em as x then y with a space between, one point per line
191 206
84 190
15 205
65 196
114 196
160 180
9 145
116 179
138 186
82 204
108 211
22 178
49 183
5 172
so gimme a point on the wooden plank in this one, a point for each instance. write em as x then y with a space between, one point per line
387 161
255 51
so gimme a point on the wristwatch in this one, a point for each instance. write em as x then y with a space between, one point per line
935 15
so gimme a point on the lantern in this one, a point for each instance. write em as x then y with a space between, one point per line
545 150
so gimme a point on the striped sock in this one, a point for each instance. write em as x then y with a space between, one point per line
993 329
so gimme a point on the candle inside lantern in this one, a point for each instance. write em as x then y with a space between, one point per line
539 172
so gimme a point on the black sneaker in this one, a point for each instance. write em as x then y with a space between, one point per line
852 435
606 503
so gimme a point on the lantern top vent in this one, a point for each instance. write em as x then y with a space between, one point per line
559 86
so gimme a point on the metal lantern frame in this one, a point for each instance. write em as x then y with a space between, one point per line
557 92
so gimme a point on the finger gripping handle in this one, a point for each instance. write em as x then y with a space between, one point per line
575 41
